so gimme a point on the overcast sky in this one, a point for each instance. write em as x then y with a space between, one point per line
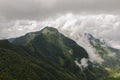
41 9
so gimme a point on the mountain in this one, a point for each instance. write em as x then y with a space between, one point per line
50 42
47 55
110 55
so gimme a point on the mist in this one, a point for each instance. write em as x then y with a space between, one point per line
74 26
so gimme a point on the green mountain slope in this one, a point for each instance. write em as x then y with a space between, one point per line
110 55
17 64
45 55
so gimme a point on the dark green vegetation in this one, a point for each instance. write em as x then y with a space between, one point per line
46 55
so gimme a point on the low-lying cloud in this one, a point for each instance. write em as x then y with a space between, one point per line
105 26
83 63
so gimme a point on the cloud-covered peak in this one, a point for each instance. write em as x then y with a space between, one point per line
99 25
74 26
105 26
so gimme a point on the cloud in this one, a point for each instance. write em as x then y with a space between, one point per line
101 25
104 26
46 3
25 9
74 26
42 9
16 28
83 63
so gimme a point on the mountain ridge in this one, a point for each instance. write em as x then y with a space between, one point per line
49 55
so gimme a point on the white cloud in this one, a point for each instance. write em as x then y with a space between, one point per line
16 28
105 26
102 25
83 63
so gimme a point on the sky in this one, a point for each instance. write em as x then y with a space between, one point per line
73 18
18 17
41 9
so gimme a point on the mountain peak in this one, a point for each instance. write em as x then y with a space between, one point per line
50 41
49 30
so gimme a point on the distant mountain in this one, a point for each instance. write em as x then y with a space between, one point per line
47 55
110 55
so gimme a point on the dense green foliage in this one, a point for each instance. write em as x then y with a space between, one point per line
46 55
